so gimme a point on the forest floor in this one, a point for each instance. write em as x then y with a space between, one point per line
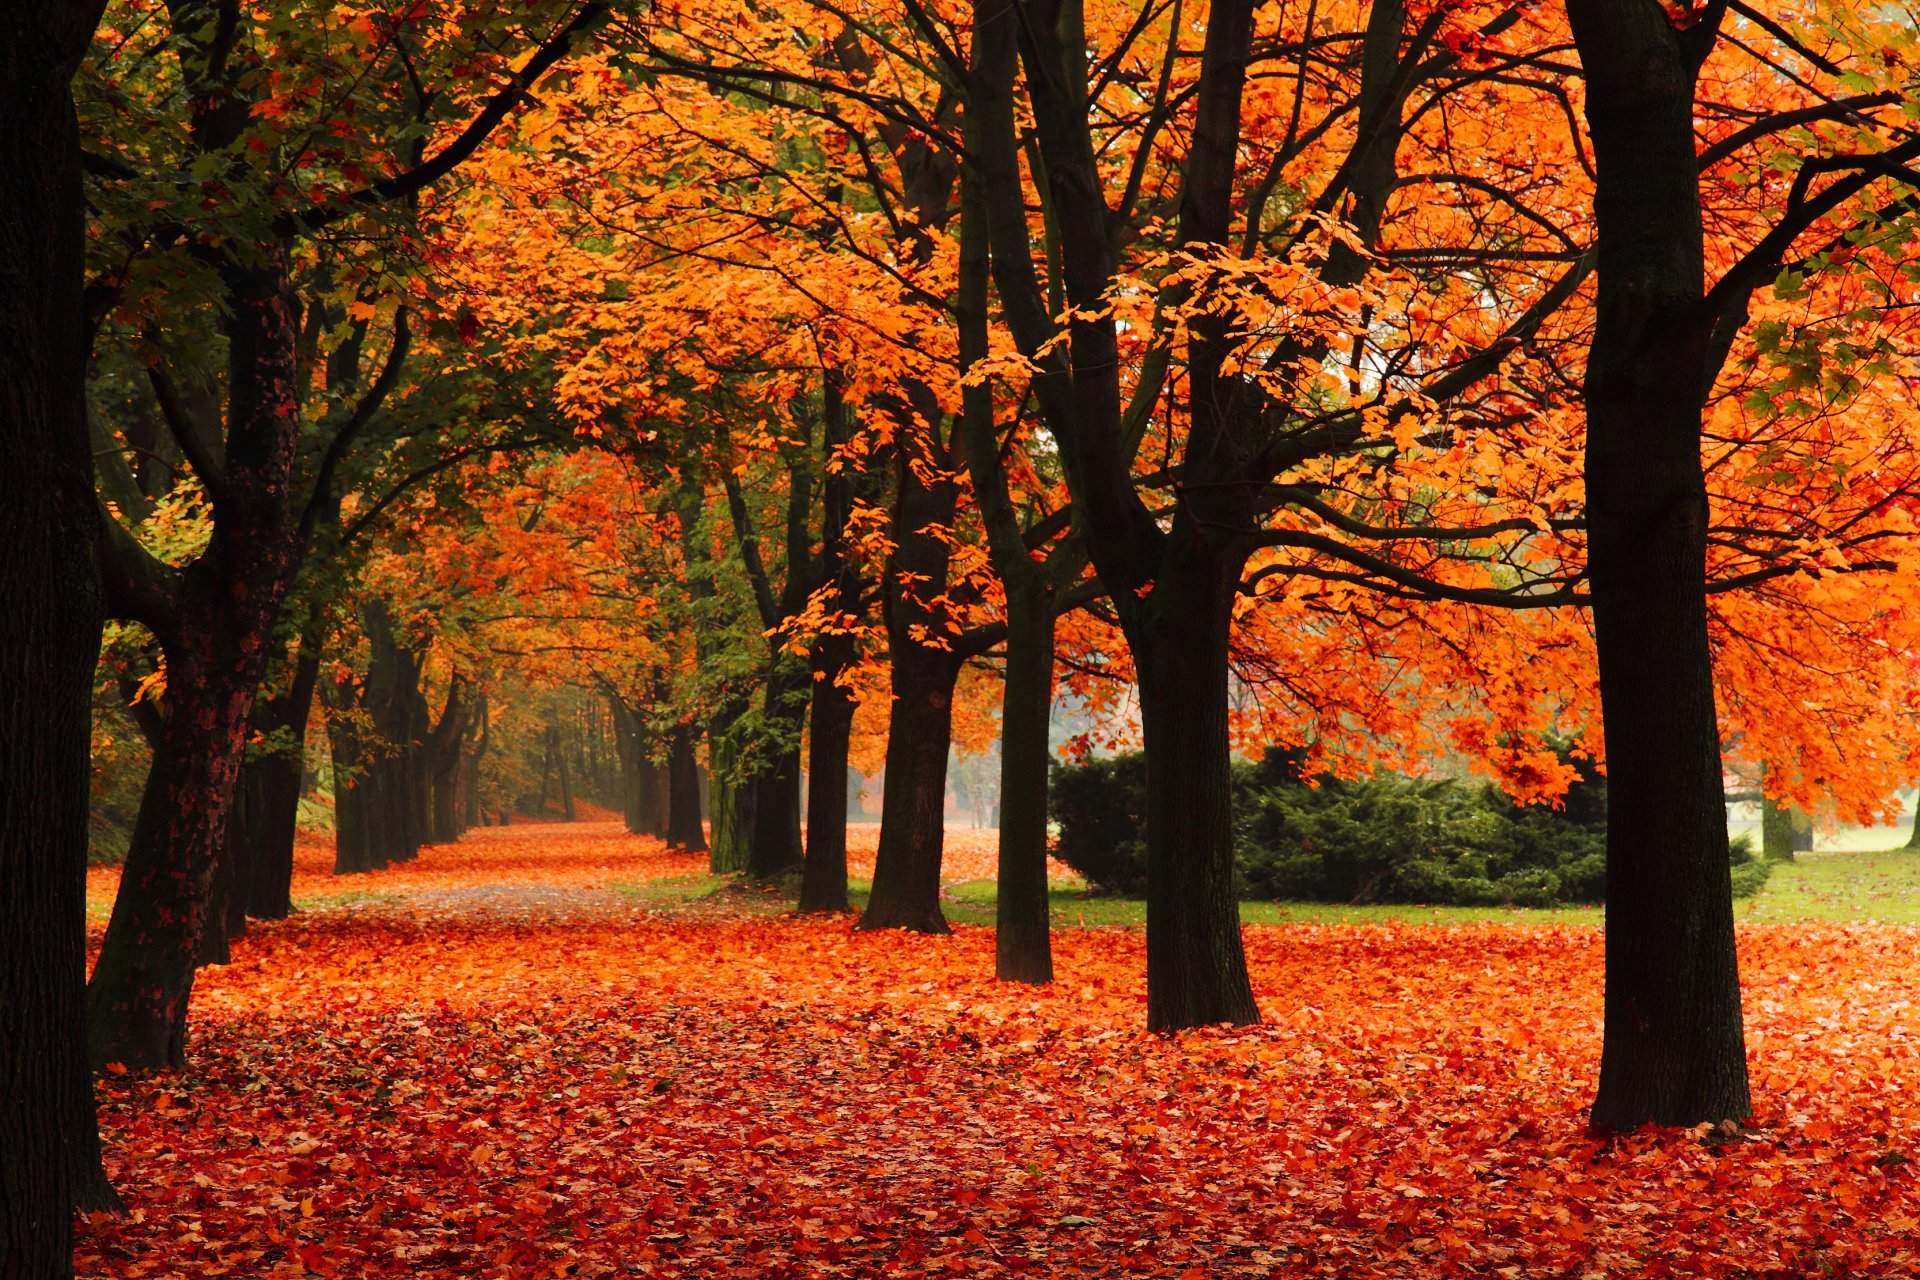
558 1051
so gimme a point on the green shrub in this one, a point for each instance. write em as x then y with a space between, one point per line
1385 839
1101 808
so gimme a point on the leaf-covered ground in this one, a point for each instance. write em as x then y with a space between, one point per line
443 1081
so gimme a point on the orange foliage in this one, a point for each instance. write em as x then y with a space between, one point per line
395 1090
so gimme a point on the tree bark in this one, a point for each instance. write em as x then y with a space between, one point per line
137 998
906 870
445 754
1673 1050
1776 831
352 782
566 782
49 639
1023 947
684 830
775 849
1193 919
924 669
730 797
215 624
271 783
823 877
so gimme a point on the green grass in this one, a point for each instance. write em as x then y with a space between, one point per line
668 892
1837 887
1840 887
351 898
972 902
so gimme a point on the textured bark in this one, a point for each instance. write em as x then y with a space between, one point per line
1023 948
49 637
137 998
216 626
352 781
684 830
1172 586
924 668
271 783
906 868
445 754
1193 918
730 796
774 849
1673 1050
823 878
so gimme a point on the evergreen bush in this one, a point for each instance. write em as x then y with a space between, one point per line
1387 839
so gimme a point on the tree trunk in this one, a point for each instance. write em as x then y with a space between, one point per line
730 798
650 786
566 782
906 871
823 877
1023 947
1673 1050
137 999
683 800
270 789
271 783
444 752
352 783
1776 830
775 847
49 639
1196 966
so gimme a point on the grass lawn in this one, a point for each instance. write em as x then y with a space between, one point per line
1840 887
1882 887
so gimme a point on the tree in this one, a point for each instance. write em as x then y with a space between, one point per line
214 615
49 636
1673 1050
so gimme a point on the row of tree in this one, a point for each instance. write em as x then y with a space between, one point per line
808 381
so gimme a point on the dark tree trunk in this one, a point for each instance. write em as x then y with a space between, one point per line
1172 586
216 623
49 638
775 847
823 877
444 752
394 711
650 790
352 783
684 830
1193 918
271 784
1023 947
137 999
643 783
925 664
1673 1049
272 787
906 871
628 744
557 758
